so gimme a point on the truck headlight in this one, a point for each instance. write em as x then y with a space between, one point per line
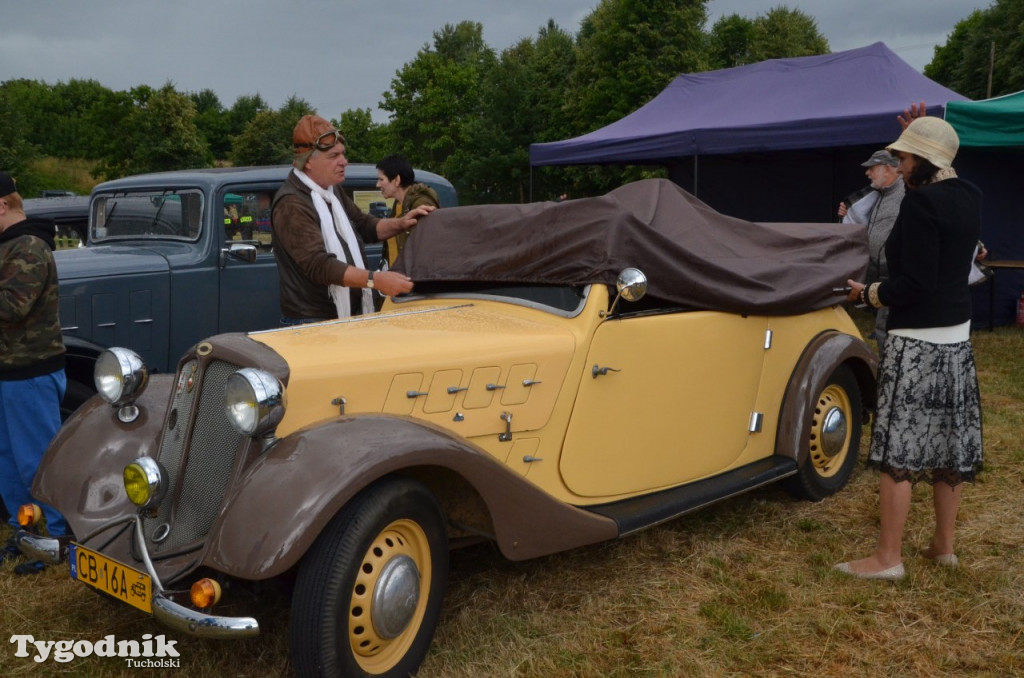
120 376
144 482
255 401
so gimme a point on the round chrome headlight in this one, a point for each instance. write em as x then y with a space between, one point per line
120 375
254 401
144 482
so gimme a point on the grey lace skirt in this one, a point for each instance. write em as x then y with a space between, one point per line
928 424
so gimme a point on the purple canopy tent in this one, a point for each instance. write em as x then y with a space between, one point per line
847 98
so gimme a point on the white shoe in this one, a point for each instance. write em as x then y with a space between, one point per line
946 559
894 573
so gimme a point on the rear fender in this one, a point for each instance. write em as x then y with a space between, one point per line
285 499
822 356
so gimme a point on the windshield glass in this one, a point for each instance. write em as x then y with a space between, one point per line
150 215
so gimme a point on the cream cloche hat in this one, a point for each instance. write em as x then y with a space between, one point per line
932 138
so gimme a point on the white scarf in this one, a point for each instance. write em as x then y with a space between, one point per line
334 223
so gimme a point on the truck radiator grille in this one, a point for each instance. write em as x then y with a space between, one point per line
198 473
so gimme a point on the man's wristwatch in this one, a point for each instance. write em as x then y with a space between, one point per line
369 281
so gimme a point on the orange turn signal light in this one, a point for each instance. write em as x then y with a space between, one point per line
205 593
29 515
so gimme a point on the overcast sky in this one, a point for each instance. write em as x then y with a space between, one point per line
341 54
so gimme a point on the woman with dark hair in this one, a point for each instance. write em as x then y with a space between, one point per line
928 423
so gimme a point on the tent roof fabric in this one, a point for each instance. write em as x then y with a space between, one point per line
841 99
993 123
694 257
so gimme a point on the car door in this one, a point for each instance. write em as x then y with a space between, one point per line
665 399
249 290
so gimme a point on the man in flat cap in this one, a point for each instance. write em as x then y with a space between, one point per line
319 234
878 209
32 379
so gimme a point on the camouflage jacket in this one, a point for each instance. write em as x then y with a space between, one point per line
31 344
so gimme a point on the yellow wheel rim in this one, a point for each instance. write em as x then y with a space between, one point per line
384 616
830 431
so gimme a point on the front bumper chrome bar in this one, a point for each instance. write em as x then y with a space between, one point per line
166 611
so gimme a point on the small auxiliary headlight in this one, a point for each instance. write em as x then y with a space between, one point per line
120 376
254 401
144 482
29 515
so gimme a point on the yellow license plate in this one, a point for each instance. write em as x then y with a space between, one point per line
120 581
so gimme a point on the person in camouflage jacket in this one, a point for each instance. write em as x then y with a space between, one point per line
32 379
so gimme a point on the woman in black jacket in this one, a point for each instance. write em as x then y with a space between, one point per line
928 424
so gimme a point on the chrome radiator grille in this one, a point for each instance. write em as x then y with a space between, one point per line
198 474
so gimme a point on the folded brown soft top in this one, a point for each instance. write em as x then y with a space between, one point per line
692 256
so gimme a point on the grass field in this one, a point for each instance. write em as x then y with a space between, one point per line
742 589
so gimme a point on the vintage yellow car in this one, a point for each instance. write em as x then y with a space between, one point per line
562 374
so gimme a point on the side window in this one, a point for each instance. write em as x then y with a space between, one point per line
371 202
247 217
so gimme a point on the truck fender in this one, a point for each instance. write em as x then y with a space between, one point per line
284 500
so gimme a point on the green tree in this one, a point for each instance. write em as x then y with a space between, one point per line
729 42
365 140
784 33
434 96
963 63
243 111
521 103
212 122
15 150
159 134
627 51
267 139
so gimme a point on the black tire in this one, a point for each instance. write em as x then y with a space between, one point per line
74 397
832 439
392 532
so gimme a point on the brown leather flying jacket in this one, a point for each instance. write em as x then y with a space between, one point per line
304 265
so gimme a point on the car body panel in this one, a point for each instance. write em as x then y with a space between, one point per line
673 421
441 356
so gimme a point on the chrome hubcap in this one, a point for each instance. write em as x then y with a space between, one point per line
833 432
395 596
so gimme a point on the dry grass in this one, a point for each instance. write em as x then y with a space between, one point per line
742 589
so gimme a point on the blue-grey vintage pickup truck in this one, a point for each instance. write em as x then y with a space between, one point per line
174 257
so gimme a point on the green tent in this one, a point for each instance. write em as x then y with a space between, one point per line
992 123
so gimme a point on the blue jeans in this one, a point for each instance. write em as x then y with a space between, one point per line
29 419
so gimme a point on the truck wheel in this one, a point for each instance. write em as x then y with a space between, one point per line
368 593
833 439
74 397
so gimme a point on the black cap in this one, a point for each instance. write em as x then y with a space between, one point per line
6 184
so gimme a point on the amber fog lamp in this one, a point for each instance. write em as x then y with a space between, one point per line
29 515
144 482
204 593
254 401
120 376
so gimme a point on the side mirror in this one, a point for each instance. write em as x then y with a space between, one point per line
631 286
240 251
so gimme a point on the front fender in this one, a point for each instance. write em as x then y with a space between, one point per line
287 497
81 473
823 355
